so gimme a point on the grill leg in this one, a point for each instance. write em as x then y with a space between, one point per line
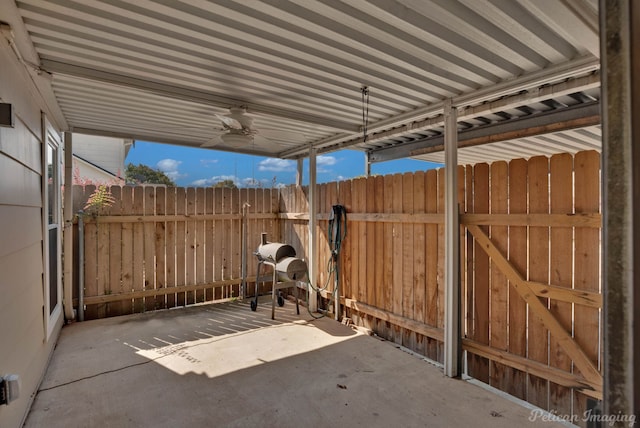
273 295
254 302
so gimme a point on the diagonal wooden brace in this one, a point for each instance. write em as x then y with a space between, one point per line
580 359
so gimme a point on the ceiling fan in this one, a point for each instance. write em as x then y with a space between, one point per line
239 132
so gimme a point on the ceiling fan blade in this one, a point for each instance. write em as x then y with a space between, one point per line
212 142
229 121
265 143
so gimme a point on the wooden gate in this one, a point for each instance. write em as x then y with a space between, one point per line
532 279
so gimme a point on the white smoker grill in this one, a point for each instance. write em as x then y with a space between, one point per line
287 270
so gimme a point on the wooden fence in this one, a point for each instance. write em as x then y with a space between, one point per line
530 262
162 247
530 269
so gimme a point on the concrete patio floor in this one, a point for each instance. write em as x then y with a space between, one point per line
222 365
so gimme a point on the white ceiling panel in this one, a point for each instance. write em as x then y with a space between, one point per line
162 69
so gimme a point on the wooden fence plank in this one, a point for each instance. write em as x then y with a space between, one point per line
431 254
387 257
208 244
138 249
517 340
219 231
108 298
149 248
522 364
200 244
499 288
344 192
115 253
372 252
592 220
190 246
355 240
361 199
398 234
160 247
587 262
255 228
181 241
226 241
419 259
538 341
170 247
127 250
236 239
441 255
103 264
407 265
479 366
561 270
379 244
90 262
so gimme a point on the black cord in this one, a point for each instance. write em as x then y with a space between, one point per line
365 112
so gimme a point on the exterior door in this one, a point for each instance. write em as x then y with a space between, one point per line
52 227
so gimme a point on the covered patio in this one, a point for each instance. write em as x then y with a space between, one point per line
223 365
516 263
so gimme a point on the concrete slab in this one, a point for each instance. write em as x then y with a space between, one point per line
225 366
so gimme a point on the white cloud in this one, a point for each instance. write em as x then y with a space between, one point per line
206 182
170 168
326 160
276 165
168 165
207 162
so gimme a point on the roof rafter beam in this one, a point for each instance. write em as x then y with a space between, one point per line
188 94
159 139
553 81
579 116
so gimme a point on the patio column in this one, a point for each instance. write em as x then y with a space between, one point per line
452 245
299 172
67 215
367 164
313 220
619 47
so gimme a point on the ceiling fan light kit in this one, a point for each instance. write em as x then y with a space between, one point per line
241 133
237 139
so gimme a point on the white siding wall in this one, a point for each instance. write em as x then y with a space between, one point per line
108 153
93 174
24 348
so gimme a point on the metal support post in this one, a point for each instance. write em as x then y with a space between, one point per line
299 171
452 348
313 239
619 45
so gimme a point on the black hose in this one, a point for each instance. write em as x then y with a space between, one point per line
337 231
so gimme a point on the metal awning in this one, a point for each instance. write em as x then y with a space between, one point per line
160 70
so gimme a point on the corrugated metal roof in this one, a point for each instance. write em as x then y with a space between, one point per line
548 144
160 70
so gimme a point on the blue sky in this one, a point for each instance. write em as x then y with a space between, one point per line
202 167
